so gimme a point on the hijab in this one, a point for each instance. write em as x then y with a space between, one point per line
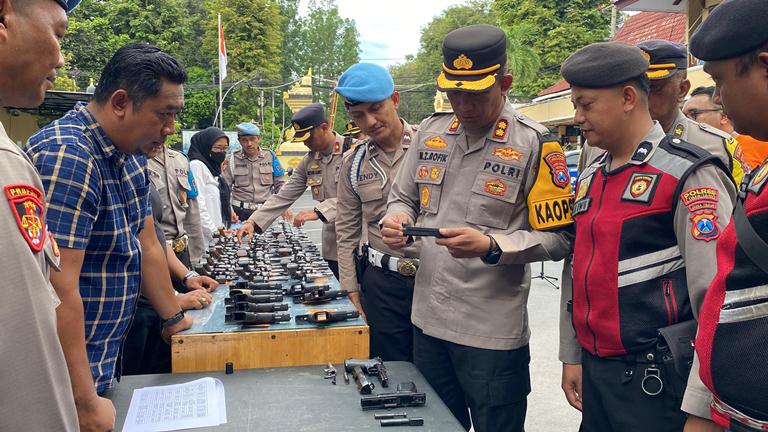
200 149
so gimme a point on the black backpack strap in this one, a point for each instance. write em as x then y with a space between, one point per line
749 240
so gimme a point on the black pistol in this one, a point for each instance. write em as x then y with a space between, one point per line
374 366
327 316
405 396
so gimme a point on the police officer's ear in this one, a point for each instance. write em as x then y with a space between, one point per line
632 97
395 99
5 9
506 82
685 87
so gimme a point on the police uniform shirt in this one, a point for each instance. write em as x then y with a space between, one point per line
319 172
362 203
451 179
697 248
252 178
169 173
35 370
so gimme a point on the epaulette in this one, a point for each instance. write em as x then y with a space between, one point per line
540 129
713 130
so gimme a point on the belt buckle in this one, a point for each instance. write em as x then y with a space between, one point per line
406 267
179 244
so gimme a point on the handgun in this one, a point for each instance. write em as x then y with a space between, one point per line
405 396
374 366
321 296
364 385
327 316
259 307
257 318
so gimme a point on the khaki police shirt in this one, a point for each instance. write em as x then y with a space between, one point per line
361 206
252 179
699 256
169 172
321 173
451 179
36 392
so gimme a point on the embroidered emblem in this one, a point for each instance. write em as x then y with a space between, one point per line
679 130
760 175
54 245
500 131
423 172
454 125
496 187
558 168
507 154
642 152
296 126
462 62
315 190
424 196
639 185
26 205
310 181
701 198
705 226
434 173
314 166
436 142
582 187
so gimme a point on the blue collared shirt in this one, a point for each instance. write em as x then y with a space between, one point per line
97 201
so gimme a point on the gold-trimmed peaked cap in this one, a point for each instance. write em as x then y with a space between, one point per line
306 119
351 128
665 58
472 56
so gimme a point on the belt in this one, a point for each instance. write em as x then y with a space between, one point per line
404 266
179 244
245 205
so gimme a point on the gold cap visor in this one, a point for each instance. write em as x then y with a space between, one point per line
467 83
661 71
301 136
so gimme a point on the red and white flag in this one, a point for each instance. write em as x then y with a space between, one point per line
222 53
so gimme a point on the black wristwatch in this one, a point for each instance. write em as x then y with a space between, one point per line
174 319
494 252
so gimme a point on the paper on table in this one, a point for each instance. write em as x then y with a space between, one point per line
195 404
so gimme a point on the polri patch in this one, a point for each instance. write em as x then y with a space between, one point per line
27 208
558 168
700 198
704 226
641 187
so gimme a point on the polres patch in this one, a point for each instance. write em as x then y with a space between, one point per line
700 198
27 208
558 169
704 226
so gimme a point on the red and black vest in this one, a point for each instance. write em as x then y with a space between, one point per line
629 275
733 324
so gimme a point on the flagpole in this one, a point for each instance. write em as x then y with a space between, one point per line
221 79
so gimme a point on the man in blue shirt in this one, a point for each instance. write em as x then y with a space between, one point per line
93 168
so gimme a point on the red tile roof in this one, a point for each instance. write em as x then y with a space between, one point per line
638 28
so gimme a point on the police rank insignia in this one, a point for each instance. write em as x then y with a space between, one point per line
704 226
506 153
454 125
558 168
679 130
500 131
26 204
496 187
640 187
436 142
424 194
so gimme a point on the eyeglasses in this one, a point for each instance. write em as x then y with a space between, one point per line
693 113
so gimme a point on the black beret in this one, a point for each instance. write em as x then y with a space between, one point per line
472 56
307 119
666 58
735 27
604 64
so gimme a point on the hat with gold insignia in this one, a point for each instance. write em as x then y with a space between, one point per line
306 119
472 57
604 64
351 128
665 58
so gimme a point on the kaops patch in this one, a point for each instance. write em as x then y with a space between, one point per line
558 169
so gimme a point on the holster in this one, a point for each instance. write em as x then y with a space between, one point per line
361 262
675 346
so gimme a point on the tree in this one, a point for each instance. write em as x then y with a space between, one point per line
553 30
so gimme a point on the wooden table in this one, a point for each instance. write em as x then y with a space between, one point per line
210 344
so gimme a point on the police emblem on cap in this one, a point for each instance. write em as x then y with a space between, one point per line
496 187
558 168
462 62
296 126
436 142
639 185
705 226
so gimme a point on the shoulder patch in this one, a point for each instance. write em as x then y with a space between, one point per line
550 200
700 198
641 187
27 208
704 226
454 127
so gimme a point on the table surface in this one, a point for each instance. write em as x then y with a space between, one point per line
296 399
211 319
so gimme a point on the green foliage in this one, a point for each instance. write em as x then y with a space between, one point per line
553 29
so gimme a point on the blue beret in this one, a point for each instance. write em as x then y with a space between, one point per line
365 83
68 5
733 28
248 129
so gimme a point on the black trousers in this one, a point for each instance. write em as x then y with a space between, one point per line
387 298
614 401
492 384
144 351
242 213
334 266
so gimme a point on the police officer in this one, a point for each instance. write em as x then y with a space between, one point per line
496 185
36 370
319 170
353 135
733 41
647 213
254 174
170 174
366 178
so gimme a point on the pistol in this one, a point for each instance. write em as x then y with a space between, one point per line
405 396
374 366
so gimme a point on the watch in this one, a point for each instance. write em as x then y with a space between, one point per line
189 276
494 252
174 319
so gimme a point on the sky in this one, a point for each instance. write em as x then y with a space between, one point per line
389 29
